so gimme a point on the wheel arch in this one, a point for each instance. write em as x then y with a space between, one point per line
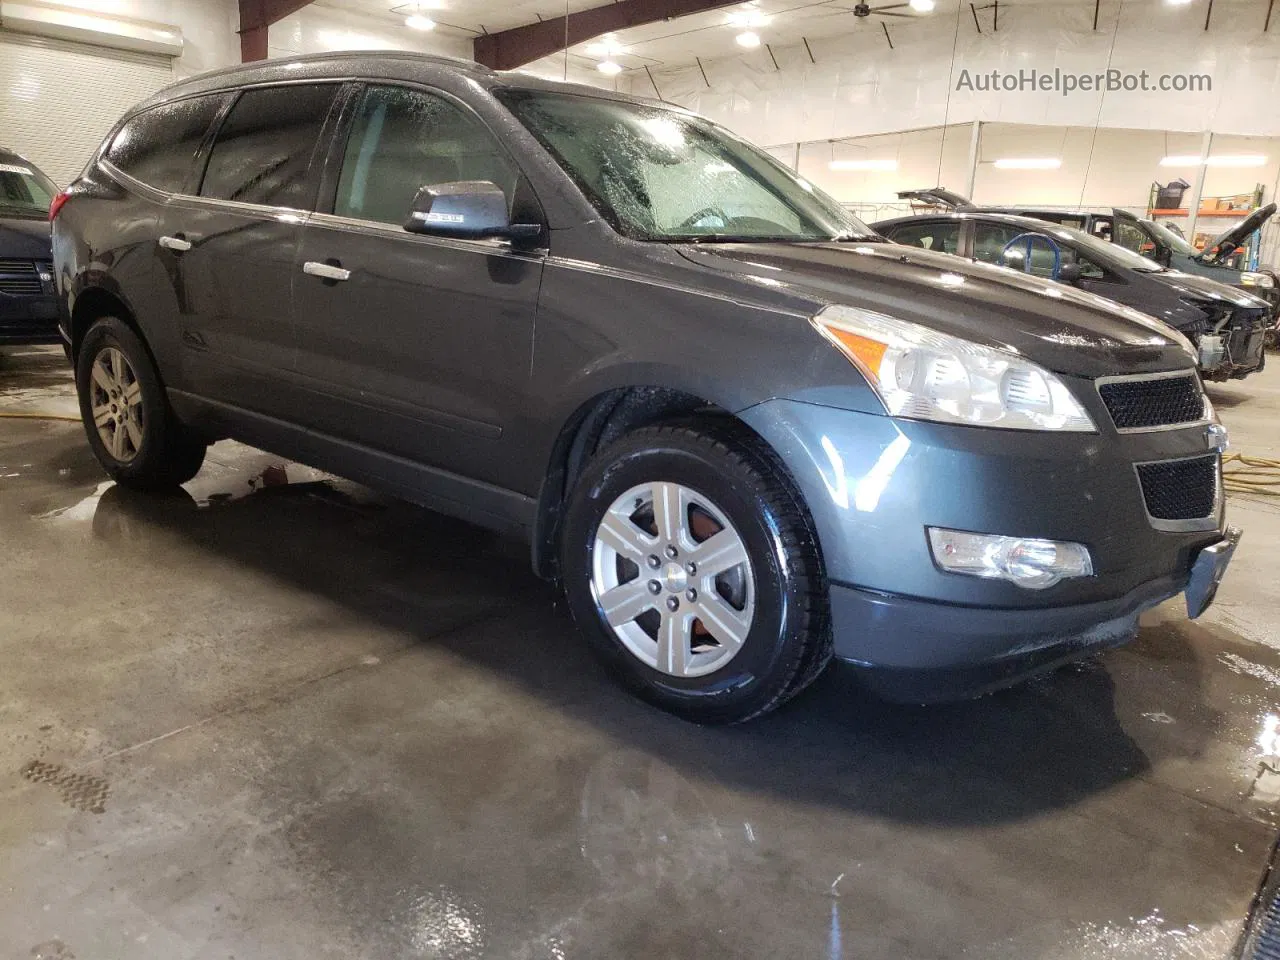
595 423
91 305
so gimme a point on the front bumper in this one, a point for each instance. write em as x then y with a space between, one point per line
873 484
29 319
918 651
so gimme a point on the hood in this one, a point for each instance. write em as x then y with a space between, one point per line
25 237
1226 244
937 197
1059 327
1206 288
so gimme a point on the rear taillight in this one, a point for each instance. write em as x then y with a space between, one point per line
56 204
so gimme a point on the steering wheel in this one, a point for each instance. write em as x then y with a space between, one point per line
1023 244
694 218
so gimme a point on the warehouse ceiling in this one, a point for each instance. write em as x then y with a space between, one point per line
706 35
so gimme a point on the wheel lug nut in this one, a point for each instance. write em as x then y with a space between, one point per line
655 586
672 552
691 594
654 561
673 604
692 568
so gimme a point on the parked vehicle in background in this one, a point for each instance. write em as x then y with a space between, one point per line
1148 238
28 303
1227 326
745 433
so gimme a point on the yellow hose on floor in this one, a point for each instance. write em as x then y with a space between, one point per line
17 415
1254 475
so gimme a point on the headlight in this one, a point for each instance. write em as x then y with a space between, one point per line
1251 279
925 375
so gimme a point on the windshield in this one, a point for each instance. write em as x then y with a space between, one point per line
23 187
1170 239
663 175
1104 252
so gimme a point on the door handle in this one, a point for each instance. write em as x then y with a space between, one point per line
176 244
326 271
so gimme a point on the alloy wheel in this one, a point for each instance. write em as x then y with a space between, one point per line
672 578
116 403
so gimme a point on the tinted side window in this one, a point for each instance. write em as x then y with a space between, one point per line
990 239
263 151
402 140
159 145
943 236
1134 238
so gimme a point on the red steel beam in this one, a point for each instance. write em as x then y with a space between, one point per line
517 46
255 17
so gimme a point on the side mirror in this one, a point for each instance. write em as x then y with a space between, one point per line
1069 273
471 209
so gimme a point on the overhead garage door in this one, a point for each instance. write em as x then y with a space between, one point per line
59 99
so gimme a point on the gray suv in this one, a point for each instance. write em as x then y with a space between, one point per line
743 431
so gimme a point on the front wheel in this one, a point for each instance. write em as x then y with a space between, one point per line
133 432
689 562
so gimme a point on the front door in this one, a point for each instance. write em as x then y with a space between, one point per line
416 346
234 246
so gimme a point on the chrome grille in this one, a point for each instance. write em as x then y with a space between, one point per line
1146 403
19 277
1180 489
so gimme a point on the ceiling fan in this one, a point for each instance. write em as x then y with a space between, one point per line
866 10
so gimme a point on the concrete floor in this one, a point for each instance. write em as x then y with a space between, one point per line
282 717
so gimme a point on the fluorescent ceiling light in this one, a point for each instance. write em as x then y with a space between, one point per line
1028 163
417 21
609 68
748 18
1177 3
1222 160
748 39
922 6
876 165
1239 160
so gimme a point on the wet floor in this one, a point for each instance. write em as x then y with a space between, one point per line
277 716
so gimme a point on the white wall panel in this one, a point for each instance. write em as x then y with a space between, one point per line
59 99
859 86
319 28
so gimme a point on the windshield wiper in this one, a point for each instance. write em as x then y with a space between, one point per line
739 238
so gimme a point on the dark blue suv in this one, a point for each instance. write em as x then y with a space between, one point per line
28 306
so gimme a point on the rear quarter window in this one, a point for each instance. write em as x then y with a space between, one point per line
159 146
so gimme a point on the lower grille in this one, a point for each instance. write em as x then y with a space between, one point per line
1142 403
19 277
1180 489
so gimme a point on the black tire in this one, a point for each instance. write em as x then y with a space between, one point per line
789 641
169 454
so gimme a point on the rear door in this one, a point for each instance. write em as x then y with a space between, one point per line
423 347
231 246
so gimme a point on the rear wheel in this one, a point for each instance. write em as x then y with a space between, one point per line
131 428
689 562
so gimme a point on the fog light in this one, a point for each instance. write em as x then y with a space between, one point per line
1025 561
